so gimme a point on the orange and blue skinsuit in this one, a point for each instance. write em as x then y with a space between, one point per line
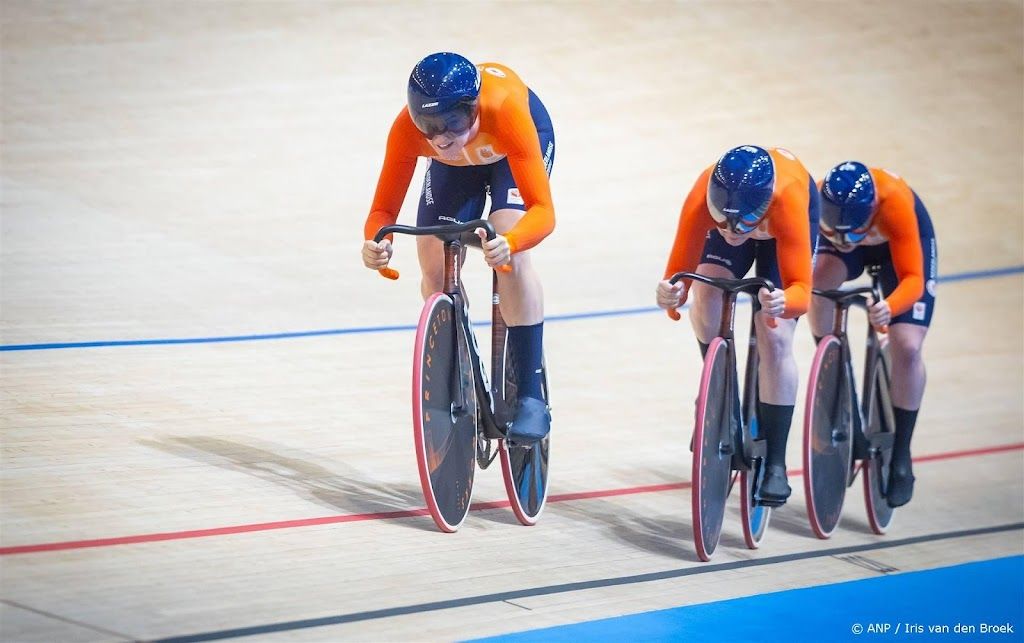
902 241
783 244
510 156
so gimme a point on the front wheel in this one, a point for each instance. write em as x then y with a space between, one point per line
711 474
444 409
525 469
828 437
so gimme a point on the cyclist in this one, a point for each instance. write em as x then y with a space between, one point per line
871 216
753 204
485 133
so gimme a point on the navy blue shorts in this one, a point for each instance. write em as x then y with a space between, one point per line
920 313
739 259
458 193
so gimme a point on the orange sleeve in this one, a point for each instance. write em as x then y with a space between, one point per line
898 221
399 165
791 228
531 177
694 222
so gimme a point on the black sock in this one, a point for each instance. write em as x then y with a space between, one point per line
703 349
526 344
774 421
905 421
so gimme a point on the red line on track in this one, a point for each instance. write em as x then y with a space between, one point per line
409 513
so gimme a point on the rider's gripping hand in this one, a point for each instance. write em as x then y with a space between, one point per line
773 303
879 314
671 296
497 252
377 255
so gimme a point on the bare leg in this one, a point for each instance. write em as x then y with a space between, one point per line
522 307
829 274
522 296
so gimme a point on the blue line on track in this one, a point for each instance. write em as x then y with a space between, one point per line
360 330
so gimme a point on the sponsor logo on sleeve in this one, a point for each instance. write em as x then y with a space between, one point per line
930 287
514 198
920 310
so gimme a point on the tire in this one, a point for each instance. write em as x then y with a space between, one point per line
525 469
711 474
443 430
876 465
755 517
828 437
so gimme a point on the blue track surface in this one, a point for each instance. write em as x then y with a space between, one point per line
894 607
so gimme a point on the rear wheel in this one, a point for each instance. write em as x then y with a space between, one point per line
444 413
828 437
712 451
755 517
525 469
878 414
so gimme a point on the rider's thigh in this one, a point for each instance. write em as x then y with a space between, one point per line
706 301
430 251
503 221
829 273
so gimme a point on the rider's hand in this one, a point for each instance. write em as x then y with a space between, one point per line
377 255
671 296
879 314
497 252
773 303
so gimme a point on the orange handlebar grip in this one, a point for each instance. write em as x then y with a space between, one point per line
674 314
388 273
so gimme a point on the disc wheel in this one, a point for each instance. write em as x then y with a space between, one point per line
876 465
712 451
755 516
525 469
828 437
444 414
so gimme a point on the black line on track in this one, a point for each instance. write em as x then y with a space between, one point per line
71 621
575 587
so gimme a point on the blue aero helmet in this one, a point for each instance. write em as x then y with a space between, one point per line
740 188
848 203
443 94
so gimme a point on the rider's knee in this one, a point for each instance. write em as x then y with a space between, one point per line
905 347
433 280
775 344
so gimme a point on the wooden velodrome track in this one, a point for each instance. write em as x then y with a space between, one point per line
184 170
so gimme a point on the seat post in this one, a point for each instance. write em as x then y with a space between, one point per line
725 330
452 252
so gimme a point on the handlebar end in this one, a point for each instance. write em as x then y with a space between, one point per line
388 273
